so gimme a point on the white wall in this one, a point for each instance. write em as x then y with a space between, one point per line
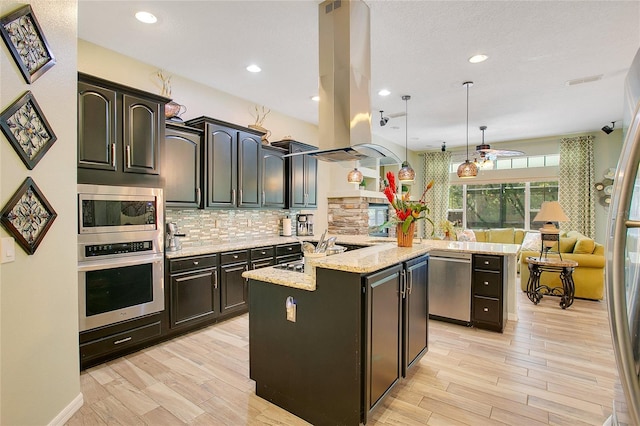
39 366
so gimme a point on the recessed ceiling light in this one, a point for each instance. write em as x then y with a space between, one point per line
315 98
478 58
146 17
254 68
384 92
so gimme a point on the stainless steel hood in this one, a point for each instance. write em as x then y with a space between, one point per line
345 74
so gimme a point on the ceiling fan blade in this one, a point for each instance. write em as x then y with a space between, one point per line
486 150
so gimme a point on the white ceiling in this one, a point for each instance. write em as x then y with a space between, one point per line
418 48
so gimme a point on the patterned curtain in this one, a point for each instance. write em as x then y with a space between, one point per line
436 168
576 184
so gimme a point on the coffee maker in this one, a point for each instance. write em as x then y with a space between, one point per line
304 226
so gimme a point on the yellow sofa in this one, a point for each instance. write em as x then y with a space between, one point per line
500 235
588 276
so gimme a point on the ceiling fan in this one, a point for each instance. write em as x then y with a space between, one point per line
487 153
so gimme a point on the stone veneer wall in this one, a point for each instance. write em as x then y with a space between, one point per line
349 215
232 225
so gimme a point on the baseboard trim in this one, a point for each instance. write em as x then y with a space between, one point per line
68 411
512 316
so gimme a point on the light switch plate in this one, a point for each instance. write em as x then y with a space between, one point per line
7 250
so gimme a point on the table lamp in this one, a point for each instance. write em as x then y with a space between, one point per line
550 212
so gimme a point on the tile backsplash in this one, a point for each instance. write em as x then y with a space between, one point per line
207 227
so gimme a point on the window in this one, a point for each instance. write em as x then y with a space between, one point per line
502 205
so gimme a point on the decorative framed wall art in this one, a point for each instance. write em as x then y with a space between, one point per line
27 130
28 216
26 42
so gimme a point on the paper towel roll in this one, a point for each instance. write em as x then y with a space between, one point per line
286 227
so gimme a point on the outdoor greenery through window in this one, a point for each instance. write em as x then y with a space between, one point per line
502 205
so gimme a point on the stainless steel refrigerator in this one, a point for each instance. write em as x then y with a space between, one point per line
623 259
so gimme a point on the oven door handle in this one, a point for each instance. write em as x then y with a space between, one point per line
94 265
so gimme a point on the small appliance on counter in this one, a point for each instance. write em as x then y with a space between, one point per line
173 243
304 225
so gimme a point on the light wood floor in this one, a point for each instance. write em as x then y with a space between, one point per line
553 367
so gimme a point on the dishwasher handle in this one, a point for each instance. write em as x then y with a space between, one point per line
450 259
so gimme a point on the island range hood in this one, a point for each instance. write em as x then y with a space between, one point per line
345 74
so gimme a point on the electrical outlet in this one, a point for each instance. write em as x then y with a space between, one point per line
8 250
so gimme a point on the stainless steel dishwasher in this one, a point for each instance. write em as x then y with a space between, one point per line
450 286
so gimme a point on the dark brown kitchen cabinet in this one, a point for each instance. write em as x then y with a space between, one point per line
302 175
286 253
489 306
273 177
415 312
232 158
233 287
181 166
119 133
194 292
262 257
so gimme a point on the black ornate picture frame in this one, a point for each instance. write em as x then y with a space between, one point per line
27 130
28 216
25 40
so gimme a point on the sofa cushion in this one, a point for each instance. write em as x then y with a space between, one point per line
567 244
584 246
482 235
503 236
531 241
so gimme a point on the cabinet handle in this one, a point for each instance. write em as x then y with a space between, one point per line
233 196
215 279
240 195
403 283
263 252
486 262
263 196
485 309
126 339
128 156
410 282
113 155
289 248
195 262
486 283
198 196
246 268
235 256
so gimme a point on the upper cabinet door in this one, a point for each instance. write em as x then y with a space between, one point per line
221 166
273 178
97 138
311 175
181 168
298 191
141 135
249 170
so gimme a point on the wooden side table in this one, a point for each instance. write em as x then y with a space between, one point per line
535 290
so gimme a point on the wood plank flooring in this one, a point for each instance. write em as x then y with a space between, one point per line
552 367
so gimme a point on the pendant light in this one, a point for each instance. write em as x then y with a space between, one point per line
467 169
355 176
406 174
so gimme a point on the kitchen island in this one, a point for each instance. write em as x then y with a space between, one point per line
329 345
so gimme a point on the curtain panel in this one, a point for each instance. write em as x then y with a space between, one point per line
576 184
436 168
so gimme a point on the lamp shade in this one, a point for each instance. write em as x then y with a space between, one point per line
467 170
551 211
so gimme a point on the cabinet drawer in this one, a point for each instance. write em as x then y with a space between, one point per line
487 284
234 257
288 249
287 259
486 309
120 340
490 263
192 263
262 253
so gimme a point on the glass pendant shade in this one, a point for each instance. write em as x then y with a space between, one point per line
467 170
354 176
406 174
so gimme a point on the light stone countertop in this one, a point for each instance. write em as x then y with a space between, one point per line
383 252
230 246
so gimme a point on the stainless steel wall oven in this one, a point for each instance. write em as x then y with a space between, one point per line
120 253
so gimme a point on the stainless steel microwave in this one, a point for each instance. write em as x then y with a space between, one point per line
107 209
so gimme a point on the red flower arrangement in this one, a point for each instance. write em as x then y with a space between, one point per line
407 211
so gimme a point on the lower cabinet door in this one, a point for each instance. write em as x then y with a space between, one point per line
383 358
416 312
194 296
233 287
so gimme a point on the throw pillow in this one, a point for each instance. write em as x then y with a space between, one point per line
584 246
466 235
531 241
567 244
503 236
